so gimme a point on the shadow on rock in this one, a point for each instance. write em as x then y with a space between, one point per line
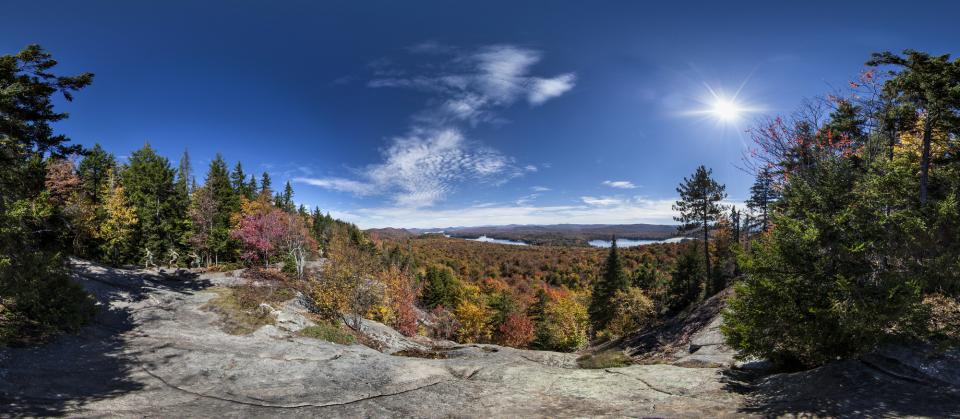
894 382
94 364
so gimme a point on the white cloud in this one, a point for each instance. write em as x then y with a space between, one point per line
602 201
338 184
626 211
539 188
423 167
420 169
620 184
543 90
524 200
472 84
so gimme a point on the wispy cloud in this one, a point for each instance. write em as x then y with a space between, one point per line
620 184
601 201
338 184
473 84
625 211
421 168
539 188
466 88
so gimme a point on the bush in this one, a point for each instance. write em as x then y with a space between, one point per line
39 300
563 326
801 306
516 331
632 309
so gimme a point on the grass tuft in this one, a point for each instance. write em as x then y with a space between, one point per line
605 359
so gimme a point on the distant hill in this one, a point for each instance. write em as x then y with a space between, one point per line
555 235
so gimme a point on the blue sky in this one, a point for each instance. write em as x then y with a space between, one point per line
438 113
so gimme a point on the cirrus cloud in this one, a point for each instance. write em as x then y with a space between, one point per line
620 184
465 88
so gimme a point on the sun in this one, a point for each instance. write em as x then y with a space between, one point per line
726 110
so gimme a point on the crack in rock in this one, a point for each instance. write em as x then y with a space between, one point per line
290 406
659 390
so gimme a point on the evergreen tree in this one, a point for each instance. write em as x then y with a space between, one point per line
686 278
611 280
440 288
286 202
185 184
238 181
37 295
930 85
251 188
227 202
699 207
763 194
149 183
94 169
265 190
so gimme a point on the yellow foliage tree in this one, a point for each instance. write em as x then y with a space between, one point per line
564 326
474 320
633 309
117 229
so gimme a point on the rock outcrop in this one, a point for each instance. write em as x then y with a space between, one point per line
154 351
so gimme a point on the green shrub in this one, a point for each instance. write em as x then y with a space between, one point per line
39 300
815 288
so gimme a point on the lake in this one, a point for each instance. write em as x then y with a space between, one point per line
631 243
486 239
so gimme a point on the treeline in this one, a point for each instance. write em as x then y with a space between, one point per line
58 199
147 213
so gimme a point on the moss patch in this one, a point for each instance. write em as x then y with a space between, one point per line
416 353
241 308
605 359
330 333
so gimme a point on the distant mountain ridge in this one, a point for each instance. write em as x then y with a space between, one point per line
555 234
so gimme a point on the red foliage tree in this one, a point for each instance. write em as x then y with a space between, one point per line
517 331
261 233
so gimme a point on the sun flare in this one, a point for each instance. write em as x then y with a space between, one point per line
725 109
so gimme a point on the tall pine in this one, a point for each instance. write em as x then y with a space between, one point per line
699 207
612 279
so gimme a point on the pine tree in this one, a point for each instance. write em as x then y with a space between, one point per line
699 207
93 170
149 184
265 190
238 181
287 198
184 175
929 86
612 280
227 203
251 188
763 194
38 298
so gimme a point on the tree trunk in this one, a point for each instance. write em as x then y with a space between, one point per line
925 158
706 250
